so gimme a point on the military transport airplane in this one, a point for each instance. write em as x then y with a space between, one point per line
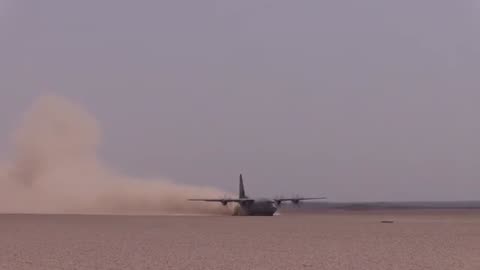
255 207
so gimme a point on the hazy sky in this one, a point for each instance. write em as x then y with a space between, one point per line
356 100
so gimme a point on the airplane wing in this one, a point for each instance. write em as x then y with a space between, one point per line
298 199
223 201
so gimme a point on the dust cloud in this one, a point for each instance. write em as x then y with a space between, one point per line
54 168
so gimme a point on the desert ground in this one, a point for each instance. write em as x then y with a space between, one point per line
432 239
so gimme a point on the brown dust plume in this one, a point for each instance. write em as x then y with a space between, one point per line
55 169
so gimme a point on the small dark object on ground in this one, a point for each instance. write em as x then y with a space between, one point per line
387 221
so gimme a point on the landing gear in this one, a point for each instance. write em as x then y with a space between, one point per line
239 211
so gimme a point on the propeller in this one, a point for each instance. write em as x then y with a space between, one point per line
224 200
278 200
296 200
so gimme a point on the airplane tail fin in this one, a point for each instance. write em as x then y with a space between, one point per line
241 189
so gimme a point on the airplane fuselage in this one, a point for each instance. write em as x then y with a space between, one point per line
258 207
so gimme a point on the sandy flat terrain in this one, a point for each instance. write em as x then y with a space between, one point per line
346 240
